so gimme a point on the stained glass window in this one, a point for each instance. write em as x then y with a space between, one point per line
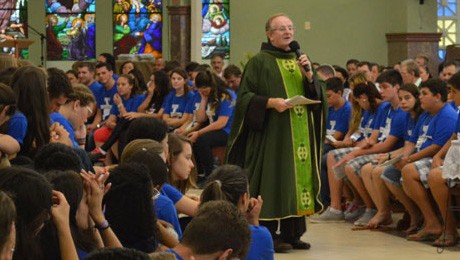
215 28
70 29
13 20
448 22
137 27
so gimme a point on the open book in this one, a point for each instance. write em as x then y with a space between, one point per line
331 138
301 100
392 161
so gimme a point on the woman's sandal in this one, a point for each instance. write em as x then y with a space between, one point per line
446 240
422 236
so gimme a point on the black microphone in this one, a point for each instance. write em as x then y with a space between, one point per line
294 45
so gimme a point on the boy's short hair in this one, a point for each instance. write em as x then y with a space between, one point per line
334 84
107 65
58 83
436 86
391 76
218 226
232 70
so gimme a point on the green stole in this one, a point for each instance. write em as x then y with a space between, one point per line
292 77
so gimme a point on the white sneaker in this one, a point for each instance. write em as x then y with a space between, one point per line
327 216
353 212
364 219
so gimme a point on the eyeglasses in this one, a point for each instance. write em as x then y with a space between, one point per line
284 28
89 110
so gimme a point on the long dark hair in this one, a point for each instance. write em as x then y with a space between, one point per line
142 86
71 185
218 91
162 89
29 85
176 146
227 182
32 195
7 217
414 91
370 90
129 207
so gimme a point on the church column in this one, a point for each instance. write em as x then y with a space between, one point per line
412 31
179 17
408 45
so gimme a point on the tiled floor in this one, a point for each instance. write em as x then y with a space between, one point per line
338 241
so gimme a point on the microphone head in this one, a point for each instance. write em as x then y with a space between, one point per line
294 45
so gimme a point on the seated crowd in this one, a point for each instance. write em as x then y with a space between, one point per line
110 159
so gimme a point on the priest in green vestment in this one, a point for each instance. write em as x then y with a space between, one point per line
279 143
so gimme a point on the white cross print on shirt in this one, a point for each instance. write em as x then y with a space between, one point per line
210 113
106 107
332 130
423 137
174 109
385 131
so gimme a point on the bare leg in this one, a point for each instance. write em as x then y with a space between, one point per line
366 176
440 193
348 193
335 185
415 190
359 186
381 199
410 206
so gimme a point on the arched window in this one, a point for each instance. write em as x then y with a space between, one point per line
448 23
70 30
215 28
137 27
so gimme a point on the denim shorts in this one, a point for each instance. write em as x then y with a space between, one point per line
392 175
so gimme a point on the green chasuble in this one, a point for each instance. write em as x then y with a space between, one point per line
282 156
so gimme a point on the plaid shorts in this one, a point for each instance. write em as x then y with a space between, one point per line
360 161
338 154
423 167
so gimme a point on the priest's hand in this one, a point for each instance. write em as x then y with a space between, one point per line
304 61
278 104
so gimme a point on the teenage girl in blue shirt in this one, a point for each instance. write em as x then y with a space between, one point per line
216 107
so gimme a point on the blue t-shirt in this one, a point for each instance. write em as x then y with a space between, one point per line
454 106
434 129
261 244
165 210
174 106
365 127
96 88
457 128
130 104
409 125
338 120
224 107
104 99
171 192
194 105
390 121
59 118
17 127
